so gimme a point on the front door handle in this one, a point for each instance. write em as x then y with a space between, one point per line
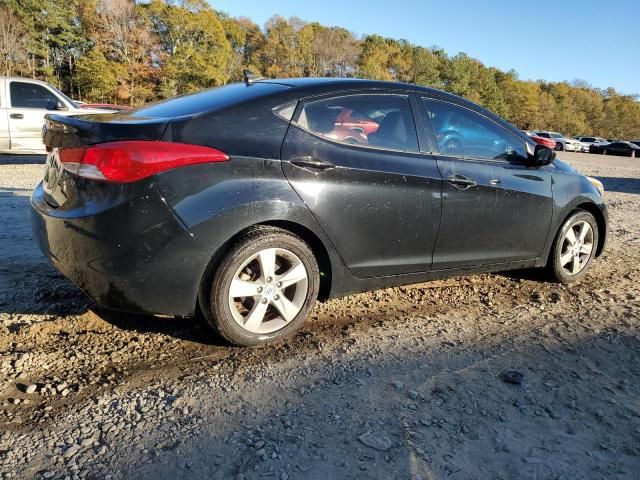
311 163
16 116
460 181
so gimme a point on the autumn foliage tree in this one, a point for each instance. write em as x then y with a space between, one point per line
133 52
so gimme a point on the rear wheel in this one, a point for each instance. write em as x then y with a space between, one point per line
559 146
574 247
263 288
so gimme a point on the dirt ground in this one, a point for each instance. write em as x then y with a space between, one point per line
402 383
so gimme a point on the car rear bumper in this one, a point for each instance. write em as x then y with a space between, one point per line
134 256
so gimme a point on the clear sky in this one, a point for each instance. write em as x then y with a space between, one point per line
596 41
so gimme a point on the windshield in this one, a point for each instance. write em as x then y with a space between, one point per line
556 135
73 104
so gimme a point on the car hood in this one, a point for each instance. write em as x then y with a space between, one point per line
564 166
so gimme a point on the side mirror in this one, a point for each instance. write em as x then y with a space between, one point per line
60 106
541 156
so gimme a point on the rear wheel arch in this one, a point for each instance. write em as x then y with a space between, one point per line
304 233
317 247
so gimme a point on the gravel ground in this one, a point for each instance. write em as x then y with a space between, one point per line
404 383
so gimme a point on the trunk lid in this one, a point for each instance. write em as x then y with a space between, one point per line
75 131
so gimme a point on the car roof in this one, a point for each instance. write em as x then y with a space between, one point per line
321 85
22 79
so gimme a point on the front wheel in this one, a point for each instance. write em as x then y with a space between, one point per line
263 288
574 247
559 146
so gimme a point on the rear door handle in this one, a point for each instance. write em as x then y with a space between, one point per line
311 163
460 181
16 116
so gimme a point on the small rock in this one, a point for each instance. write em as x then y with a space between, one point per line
71 451
398 385
31 388
511 376
375 441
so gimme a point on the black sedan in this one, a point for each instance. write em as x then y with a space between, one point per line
251 201
618 147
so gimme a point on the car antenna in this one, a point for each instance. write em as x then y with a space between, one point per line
250 77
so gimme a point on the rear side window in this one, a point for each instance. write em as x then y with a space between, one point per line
464 133
381 121
30 95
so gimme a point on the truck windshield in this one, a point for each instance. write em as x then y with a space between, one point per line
73 104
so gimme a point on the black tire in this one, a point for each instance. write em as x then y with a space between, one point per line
218 312
559 146
554 263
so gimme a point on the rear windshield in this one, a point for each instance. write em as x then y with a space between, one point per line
207 100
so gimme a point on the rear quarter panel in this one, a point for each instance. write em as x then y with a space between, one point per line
218 201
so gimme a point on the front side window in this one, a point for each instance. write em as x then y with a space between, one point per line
465 133
381 121
30 95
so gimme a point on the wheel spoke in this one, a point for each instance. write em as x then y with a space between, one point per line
287 309
293 275
267 259
586 248
583 231
566 258
575 267
255 316
571 236
242 288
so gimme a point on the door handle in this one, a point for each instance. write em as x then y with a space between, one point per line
460 181
16 116
311 163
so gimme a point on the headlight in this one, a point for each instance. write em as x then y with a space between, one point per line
598 184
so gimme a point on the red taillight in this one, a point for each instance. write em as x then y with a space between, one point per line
129 161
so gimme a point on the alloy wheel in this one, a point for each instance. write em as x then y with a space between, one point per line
268 290
577 246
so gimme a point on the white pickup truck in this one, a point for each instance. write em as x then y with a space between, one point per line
23 105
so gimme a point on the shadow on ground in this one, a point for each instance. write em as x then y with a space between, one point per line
432 414
621 184
22 159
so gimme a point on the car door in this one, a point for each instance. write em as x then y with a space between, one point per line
28 104
495 209
375 194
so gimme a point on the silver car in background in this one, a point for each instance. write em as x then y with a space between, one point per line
587 142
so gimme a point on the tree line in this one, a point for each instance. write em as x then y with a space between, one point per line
122 51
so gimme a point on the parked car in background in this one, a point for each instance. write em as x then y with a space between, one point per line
562 142
241 202
547 142
621 148
23 105
588 142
